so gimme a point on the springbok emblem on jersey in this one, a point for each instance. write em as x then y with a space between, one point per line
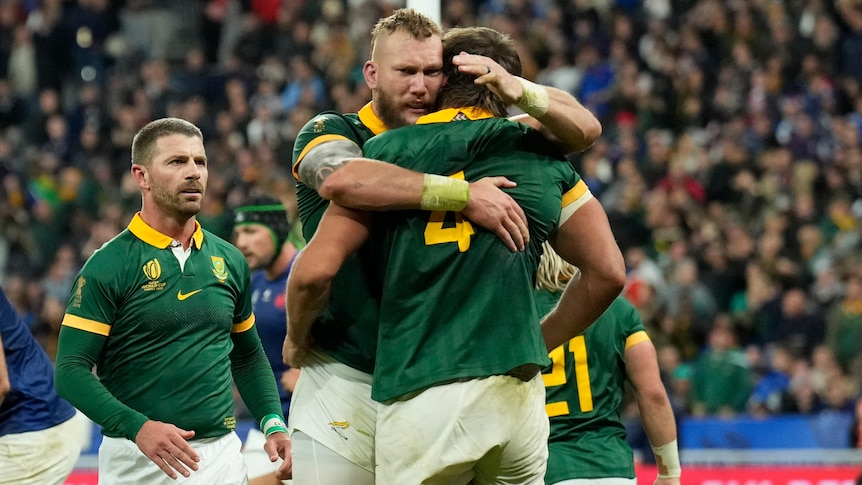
219 269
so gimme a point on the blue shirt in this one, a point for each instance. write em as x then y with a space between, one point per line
32 404
268 299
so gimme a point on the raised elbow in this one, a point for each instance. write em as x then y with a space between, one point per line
592 131
617 279
653 396
612 275
335 187
312 278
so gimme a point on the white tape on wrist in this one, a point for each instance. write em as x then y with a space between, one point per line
441 193
667 459
535 100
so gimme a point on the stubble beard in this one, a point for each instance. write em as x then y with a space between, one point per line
173 204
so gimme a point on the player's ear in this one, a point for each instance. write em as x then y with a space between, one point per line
141 176
369 72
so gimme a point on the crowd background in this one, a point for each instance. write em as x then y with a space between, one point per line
730 164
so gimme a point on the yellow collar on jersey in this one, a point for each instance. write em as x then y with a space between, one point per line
370 119
452 114
146 233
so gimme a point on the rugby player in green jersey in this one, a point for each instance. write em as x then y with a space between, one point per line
163 312
449 405
332 411
585 386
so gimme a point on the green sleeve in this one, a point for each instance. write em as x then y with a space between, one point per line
77 352
253 375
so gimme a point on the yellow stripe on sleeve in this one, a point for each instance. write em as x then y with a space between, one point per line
575 193
573 200
313 143
86 325
636 338
244 325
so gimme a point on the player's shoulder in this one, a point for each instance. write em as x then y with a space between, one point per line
332 125
115 249
328 121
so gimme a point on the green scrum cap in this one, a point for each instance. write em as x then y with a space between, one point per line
267 211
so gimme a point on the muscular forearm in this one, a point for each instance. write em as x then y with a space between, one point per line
367 184
306 299
560 113
582 302
654 406
340 233
570 122
76 382
656 416
337 170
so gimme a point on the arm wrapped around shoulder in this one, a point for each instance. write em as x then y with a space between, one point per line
441 193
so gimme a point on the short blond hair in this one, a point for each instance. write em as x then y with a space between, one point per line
417 24
554 272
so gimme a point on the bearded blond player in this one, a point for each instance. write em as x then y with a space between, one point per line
332 414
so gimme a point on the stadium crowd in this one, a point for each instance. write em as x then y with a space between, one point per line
730 164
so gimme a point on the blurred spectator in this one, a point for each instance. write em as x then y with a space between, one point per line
722 380
772 388
690 303
844 322
305 86
789 319
676 378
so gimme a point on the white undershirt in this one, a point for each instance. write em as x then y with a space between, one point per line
181 254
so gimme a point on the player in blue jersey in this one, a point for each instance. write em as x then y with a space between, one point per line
39 439
261 231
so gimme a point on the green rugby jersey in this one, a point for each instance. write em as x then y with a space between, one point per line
167 332
451 288
347 329
584 390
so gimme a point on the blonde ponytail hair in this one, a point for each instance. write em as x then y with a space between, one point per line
554 273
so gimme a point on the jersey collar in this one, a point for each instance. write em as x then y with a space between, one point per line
454 114
145 233
370 119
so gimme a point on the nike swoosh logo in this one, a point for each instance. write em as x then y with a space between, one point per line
182 297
